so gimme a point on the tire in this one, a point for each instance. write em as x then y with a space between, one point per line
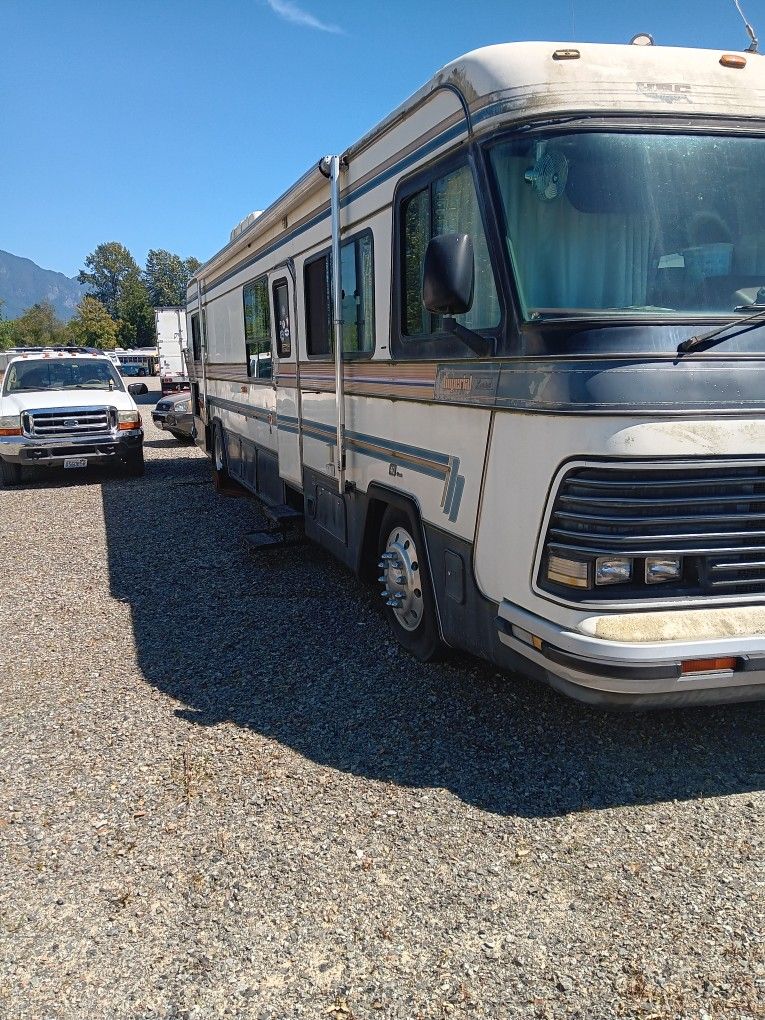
221 476
413 620
134 464
10 473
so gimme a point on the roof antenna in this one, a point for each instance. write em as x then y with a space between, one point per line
752 48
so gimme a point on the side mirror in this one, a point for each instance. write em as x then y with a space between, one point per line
134 388
449 274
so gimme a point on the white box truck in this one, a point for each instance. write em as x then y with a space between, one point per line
171 342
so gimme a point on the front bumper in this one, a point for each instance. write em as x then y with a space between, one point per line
636 674
53 452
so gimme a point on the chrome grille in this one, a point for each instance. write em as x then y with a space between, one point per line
74 421
714 517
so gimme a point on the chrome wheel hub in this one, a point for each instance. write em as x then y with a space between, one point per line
400 574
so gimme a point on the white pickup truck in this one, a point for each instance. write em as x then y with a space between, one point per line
66 407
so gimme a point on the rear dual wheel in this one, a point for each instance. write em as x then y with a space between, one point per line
219 459
409 601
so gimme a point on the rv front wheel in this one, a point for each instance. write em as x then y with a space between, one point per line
405 585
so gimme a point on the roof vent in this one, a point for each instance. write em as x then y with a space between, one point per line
240 228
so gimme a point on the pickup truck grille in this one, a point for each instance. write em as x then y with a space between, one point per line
714 517
76 421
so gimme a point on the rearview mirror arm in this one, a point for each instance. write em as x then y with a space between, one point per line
481 346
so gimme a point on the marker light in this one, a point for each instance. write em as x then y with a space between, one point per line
642 39
732 60
574 573
662 568
128 420
10 425
707 665
613 569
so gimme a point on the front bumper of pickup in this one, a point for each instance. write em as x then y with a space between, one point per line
641 673
52 452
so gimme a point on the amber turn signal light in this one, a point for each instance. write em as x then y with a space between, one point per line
707 665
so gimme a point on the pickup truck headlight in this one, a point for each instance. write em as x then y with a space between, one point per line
128 420
10 425
181 408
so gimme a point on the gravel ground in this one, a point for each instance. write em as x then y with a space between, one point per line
226 793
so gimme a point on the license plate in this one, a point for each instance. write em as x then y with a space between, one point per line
75 462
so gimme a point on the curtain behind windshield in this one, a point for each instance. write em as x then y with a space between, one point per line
634 222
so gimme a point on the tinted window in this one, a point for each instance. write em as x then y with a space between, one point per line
282 316
357 283
257 329
447 205
196 339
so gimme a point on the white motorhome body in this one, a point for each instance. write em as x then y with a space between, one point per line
171 344
543 477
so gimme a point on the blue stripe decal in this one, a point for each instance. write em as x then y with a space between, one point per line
454 467
425 462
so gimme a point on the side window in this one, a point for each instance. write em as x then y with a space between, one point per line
282 317
446 205
196 338
257 329
357 282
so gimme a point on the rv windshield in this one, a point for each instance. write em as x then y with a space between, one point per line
634 224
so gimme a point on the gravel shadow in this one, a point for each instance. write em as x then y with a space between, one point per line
294 647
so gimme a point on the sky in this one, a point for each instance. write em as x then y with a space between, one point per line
162 123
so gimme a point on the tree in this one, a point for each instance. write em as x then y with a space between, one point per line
92 326
167 276
111 266
39 326
135 315
7 330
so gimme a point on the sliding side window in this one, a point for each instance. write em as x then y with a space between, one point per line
257 329
357 282
446 205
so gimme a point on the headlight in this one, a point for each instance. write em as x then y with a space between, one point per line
662 568
613 569
10 425
181 408
128 420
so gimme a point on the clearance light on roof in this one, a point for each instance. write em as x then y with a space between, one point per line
642 39
732 60
566 55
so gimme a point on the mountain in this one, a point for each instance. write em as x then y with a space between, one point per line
23 284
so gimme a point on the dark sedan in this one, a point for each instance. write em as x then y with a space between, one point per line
173 414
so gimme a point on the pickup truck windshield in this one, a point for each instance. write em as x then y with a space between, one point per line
634 224
65 374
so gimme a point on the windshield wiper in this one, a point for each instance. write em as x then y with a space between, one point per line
694 342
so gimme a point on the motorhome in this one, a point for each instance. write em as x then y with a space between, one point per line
506 355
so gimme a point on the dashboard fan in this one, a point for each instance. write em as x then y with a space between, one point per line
548 176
